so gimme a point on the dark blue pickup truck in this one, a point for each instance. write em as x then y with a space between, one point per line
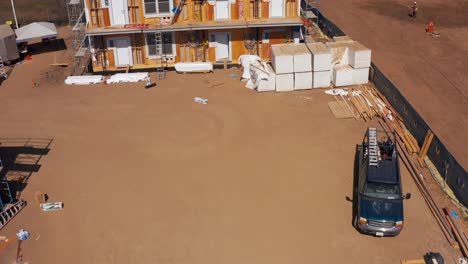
379 196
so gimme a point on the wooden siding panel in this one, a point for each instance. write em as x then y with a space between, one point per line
110 58
105 14
265 10
235 10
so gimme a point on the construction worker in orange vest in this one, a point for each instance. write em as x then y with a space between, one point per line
414 10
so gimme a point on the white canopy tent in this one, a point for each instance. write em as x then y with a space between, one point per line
36 30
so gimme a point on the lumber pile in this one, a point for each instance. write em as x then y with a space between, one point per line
366 102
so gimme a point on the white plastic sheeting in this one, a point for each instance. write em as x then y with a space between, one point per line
84 80
246 61
194 67
128 77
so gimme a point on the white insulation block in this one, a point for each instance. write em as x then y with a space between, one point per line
302 57
360 76
321 79
285 82
302 80
281 60
270 84
342 75
358 55
321 56
339 52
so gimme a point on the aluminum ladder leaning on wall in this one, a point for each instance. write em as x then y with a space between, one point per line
161 70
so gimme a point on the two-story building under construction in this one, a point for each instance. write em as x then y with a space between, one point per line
141 34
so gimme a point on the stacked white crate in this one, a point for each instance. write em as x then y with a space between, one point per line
270 84
283 63
349 58
359 58
321 64
302 66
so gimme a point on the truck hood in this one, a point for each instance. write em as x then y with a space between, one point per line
382 209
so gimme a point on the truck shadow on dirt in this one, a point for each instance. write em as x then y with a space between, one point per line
354 198
20 158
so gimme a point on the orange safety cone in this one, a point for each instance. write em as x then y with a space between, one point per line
430 28
28 57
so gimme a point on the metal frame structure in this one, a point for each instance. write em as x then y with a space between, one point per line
74 10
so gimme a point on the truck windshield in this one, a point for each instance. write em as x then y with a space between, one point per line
382 190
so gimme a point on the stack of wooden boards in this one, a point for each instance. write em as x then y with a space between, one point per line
364 101
351 61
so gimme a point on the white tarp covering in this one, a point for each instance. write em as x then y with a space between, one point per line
128 77
246 61
35 30
194 67
84 80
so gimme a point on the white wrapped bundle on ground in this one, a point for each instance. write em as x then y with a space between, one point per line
358 55
339 52
302 80
84 80
361 76
285 82
128 77
268 85
321 79
281 59
194 67
246 61
342 75
321 56
258 76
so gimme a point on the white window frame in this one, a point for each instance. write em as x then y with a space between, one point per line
171 6
174 46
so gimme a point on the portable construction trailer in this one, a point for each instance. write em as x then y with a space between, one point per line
8 48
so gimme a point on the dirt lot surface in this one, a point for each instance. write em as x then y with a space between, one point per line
149 176
431 73
28 11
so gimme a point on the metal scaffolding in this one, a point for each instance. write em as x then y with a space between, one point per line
74 10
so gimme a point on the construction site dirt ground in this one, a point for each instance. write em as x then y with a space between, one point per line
430 73
149 176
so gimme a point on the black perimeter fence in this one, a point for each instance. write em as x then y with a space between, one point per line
453 173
